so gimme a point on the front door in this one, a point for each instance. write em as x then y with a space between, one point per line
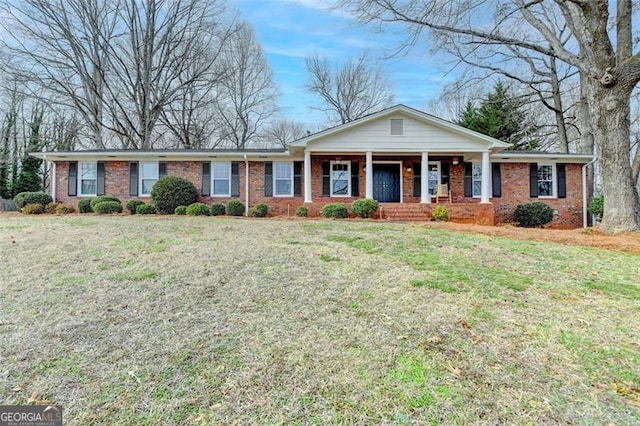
386 183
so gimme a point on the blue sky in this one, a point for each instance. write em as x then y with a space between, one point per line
290 30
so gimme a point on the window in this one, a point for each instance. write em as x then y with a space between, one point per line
148 177
433 177
88 182
221 175
283 179
476 179
397 126
546 180
340 178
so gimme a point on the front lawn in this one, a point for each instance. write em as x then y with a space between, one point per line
199 320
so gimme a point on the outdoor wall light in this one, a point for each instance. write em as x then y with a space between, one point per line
455 161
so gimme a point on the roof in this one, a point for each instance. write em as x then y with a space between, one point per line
162 154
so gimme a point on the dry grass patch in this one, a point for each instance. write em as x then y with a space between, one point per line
180 320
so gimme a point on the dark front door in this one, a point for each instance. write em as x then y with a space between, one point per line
386 183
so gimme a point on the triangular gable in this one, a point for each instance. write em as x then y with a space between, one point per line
421 132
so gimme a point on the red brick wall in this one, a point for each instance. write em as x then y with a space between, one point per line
515 188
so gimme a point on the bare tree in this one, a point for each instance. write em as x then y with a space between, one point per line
598 45
247 96
284 131
348 92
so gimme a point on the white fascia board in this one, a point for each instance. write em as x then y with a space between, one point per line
510 157
159 156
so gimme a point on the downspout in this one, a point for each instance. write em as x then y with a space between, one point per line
584 192
246 185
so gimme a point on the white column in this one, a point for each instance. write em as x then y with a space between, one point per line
369 175
425 198
53 181
308 198
486 178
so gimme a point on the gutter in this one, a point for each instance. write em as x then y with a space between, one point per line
246 185
584 192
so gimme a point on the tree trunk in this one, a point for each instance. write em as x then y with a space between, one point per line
609 108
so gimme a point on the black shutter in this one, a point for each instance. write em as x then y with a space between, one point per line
268 179
206 178
326 179
533 180
73 178
162 169
355 179
417 182
101 176
444 168
133 178
235 179
468 179
297 178
496 179
562 180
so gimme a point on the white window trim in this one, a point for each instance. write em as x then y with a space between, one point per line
390 126
348 194
439 164
228 194
79 178
275 187
474 164
141 176
554 183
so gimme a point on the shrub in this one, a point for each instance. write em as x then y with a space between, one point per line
302 211
234 208
533 215
181 210
107 207
24 198
65 209
259 210
335 211
84 205
145 209
596 207
170 192
132 205
440 214
217 209
365 207
198 209
51 207
102 198
33 208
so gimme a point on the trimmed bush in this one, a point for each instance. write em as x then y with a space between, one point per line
84 205
234 208
102 198
145 209
335 211
533 215
259 210
596 207
24 198
33 208
217 209
107 207
65 209
198 209
132 205
364 207
440 214
181 210
170 192
302 211
51 208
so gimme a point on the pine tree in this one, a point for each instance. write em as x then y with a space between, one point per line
30 179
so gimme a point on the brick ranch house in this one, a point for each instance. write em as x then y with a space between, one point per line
399 156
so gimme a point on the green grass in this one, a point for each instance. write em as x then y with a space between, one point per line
177 320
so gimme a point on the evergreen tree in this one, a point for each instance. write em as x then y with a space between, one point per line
5 153
501 116
30 178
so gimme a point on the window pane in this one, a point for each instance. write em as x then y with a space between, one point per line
477 172
221 187
545 173
477 188
88 187
88 170
545 188
147 185
282 170
221 170
149 170
341 187
283 187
